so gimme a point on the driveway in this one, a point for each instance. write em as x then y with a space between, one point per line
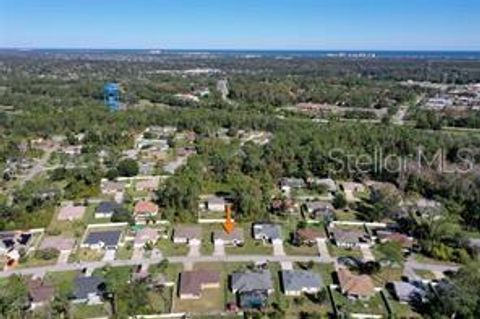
109 255
63 257
137 253
278 248
218 249
286 265
194 248
322 248
367 253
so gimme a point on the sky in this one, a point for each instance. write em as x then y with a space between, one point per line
242 24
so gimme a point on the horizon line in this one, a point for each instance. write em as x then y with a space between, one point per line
244 49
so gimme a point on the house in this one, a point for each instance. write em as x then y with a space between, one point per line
385 236
214 204
192 283
72 150
267 232
40 293
308 236
351 189
62 244
106 209
184 234
328 183
407 292
234 238
145 209
347 238
248 281
319 210
287 184
355 286
102 239
148 185
88 290
144 236
13 241
71 212
296 282
112 187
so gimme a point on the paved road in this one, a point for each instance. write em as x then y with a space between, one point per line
40 271
411 263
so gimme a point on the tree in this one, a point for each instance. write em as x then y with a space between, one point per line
127 167
458 298
122 215
14 300
339 201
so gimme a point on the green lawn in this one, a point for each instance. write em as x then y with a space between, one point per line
168 248
80 311
336 251
124 252
85 254
62 280
373 306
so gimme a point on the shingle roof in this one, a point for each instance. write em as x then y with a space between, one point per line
145 235
406 291
297 280
107 207
269 231
250 281
109 238
71 212
189 232
145 207
83 286
191 282
309 234
351 284
235 235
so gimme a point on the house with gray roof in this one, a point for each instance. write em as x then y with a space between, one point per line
267 232
234 238
347 238
106 209
319 210
242 282
407 292
296 282
99 239
88 290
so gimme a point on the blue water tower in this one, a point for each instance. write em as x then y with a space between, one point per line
111 96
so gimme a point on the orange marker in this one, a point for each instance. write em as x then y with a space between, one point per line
228 225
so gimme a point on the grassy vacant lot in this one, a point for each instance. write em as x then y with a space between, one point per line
168 248
373 306
63 281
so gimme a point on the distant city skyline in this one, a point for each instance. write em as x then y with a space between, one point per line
249 24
